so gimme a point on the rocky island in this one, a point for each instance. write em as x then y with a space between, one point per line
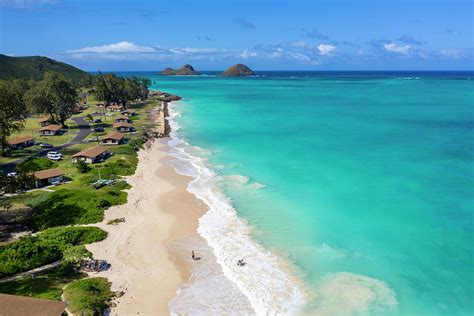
186 70
238 70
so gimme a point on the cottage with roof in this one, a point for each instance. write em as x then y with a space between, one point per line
115 108
21 142
44 121
129 112
22 305
48 177
50 130
123 127
114 138
122 119
91 155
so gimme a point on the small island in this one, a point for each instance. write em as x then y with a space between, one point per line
186 70
238 70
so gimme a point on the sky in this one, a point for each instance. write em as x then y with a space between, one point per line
263 34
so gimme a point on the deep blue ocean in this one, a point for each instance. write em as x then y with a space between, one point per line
364 180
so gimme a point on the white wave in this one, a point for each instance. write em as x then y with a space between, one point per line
346 293
240 181
264 280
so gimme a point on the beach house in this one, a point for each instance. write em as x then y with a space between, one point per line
122 119
21 142
129 112
91 155
115 108
44 121
50 130
48 177
22 305
114 138
123 127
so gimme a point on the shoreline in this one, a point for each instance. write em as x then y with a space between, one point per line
166 217
159 210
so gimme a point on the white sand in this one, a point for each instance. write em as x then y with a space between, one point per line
159 210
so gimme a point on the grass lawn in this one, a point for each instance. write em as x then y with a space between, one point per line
47 285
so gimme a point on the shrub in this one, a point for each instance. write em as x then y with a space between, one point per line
35 164
116 221
66 207
33 251
82 167
88 296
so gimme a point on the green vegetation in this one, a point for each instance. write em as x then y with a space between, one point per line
34 68
47 285
54 95
33 164
111 88
88 296
67 207
12 112
34 251
116 221
82 167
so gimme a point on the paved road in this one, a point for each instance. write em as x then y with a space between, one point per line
31 272
84 131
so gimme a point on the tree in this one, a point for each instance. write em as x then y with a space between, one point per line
54 95
82 167
12 112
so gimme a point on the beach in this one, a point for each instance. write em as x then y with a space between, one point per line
159 210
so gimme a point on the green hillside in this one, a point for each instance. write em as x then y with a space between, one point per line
33 67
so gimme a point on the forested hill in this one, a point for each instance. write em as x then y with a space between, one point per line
33 67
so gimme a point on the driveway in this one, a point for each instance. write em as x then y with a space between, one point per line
84 131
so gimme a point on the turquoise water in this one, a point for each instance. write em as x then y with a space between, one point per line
368 174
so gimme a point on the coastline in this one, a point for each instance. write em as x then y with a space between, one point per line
167 216
158 210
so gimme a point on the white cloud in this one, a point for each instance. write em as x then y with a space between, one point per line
299 44
277 53
326 49
246 54
394 48
452 53
120 47
300 57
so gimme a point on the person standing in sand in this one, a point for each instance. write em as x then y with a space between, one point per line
193 255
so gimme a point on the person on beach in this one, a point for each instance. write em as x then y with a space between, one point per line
193 255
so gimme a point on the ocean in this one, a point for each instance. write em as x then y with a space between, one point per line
347 193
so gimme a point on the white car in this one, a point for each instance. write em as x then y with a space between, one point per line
54 155
11 174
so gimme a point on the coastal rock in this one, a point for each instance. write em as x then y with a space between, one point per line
238 70
186 70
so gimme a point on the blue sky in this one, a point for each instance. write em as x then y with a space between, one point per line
266 35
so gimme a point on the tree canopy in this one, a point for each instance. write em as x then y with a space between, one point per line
12 111
55 95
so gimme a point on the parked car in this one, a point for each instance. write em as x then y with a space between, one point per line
93 139
97 121
11 174
98 129
54 155
45 145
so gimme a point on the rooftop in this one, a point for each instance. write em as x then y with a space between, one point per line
113 135
53 128
121 124
22 305
20 140
49 173
91 152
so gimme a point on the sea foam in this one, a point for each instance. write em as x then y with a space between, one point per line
264 280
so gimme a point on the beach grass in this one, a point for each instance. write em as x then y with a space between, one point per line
46 285
88 296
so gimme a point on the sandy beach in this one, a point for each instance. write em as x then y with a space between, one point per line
159 210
